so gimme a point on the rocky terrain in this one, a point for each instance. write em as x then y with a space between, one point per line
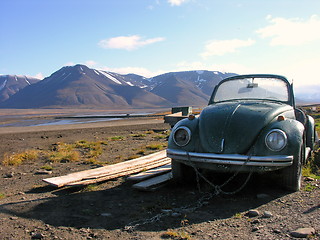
30 209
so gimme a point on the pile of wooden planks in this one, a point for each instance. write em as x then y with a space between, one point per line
126 168
153 183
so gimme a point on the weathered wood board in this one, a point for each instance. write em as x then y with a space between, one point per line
120 174
150 173
153 182
126 168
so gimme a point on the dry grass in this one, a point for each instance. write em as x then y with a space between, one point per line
89 149
238 215
47 167
133 157
18 158
177 235
90 188
2 195
138 135
141 152
91 152
155 146
62 152
82 150
117 138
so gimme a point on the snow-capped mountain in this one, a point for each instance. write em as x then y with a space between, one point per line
80 86
192 88
11 84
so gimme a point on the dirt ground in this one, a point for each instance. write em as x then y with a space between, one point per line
30 209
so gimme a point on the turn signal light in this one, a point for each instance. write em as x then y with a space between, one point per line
191 117
281 118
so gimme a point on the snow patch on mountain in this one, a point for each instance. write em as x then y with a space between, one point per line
3 84
66 76
27 81
110 77
200 82
130 84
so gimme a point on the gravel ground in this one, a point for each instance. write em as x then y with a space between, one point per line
30 209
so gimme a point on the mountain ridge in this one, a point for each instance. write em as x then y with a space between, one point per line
11 84
83 87
79 86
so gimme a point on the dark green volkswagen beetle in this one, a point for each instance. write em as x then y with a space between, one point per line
250 125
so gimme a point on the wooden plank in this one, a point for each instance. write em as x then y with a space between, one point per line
110 171
176 114
150 173
119 174
153 182
106 170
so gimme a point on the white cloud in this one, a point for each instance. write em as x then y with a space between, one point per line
90 63
128 42
176 2
151 7
291 32
233 68
221 47
187 66
68 64
303 72
228 67
39 76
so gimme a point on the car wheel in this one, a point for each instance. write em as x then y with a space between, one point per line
181 172
291 176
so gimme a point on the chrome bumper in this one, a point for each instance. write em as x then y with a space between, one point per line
230 159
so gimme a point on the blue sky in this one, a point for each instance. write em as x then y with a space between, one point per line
150 37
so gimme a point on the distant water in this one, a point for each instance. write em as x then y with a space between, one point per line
48 122
79 119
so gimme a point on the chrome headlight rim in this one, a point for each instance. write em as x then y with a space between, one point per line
277 131
188 131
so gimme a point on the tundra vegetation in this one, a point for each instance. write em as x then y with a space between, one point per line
111 209
87 152
312 168
90 152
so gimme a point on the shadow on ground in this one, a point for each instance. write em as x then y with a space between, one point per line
115 204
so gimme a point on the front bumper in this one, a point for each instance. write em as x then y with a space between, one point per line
232 160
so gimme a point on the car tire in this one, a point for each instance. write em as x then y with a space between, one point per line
181 172
291 176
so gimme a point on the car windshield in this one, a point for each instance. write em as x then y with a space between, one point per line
252 88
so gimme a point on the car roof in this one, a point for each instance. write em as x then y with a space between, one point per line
258 76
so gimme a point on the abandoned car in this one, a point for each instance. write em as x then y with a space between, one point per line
251 124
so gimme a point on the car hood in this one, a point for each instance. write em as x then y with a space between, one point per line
232 127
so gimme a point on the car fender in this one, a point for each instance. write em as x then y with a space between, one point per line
192 124
310 132
295 137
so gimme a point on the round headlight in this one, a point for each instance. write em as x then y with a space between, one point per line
276 140
182 136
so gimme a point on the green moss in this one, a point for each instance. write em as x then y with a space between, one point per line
117 138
